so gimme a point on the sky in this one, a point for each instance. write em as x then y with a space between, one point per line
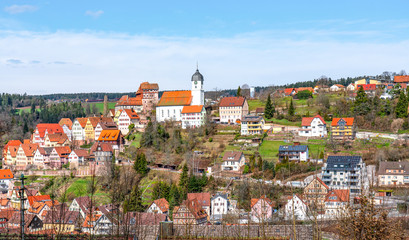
113 46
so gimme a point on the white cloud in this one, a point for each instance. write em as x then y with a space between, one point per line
102 62
94 14
14 9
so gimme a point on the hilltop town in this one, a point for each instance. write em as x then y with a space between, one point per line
302 160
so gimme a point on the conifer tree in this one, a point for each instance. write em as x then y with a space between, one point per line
238 92
269 108
401 110
291 109
260 163
184 181
134 201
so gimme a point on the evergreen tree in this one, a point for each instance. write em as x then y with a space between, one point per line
401 109
269 108
134 201
361 103
238 92
140 164
184 180
252 162
194 184
25 127
260 163
321 155
174 196
291 109
204 179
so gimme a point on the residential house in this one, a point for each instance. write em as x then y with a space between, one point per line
370 89
220 205
401 79
203 199
78 130
91 125
296 153
393 173
62 221
296 208
171 103
337 87
89 224
42 156
56 140
59 156
113 137
126 102
11 143
233 161
5 203
289 92
159 206
32 223
66 125
315 193
5 216
232 109
190 212
139 223
336 202
77 158
42 130
313 127
126 118
25 155
82 205
367 81
104 126
6 180
102 158
261 209
345 172
193 116
343 129
11 156
33 200
351 87
251 125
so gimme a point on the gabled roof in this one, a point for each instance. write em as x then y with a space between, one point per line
29 149
108 125
62 216
65 121
106 147
401 79
46 151
232 102
294 148
348 121
300 89
13 150
6 174
288 91
367 87
128 101
41 198
341 195
149 86
232 156
162 204
195 208
394 166
320 181
266 199
176 98
89 221
339 85
299 197
131 113
49 127
192 109
109 135
144 218
59 138
82 121
14 143
84 203
94 121
63 151
81 152
306 121
202 198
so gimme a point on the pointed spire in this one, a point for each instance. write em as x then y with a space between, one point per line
197 65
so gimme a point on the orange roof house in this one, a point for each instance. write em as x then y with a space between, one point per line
232 102
306 121
109 135
41 198
289 91
348 121
65 121
82 121
6 174
161 203
63 152
401 79
131 113
192 109
12 143
304 89
338 195
49 128
176 98
129 101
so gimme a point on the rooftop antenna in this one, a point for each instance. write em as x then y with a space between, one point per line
197 65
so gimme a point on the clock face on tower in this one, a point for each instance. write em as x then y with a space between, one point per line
195 82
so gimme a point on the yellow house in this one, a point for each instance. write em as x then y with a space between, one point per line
367 81
62 221
92 123
116 116
343 128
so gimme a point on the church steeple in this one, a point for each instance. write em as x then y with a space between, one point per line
197 88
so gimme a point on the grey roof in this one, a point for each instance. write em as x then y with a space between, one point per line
232 156
294 148
398 166
347 162
251 118
197 76
220 195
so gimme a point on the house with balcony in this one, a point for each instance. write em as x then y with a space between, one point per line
336 202
393 174
251 125
313 127
343 129
345 172
233 161
295 153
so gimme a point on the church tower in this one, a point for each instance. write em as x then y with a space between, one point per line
197 89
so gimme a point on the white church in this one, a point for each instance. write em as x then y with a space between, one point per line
171 104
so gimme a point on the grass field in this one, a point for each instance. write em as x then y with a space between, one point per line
284 122
253 104
78 187
100 105
269 149
137 141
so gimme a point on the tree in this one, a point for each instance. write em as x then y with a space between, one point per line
291 109
184 180
134 201
269 109
252 162
304 94
260 163
401 110
321 155
238 92
140 164
361 106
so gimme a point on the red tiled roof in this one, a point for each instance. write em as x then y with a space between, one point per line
58 137
82 121
306 121
232 102
41 198
232 156
163 204
341 194
322 183
15 143
367 87
195 208
6 174
192 109
13 150
202 198
144 218
401 79
339 85
176 98
149 86
81 153
106 147
50 127
304 89
29 149
128 101
131 113
109 135
255 200
349 121
288 91
65 121
63 151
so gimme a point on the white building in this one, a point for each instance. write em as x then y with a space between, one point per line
295 208
232 109
345 172
219 206
42 156
336 202
126 118
313 127
6 179
78 129
351 87
159 206
171 103
251 125
336 88
233 161
193 116
104 126
393 173
296 153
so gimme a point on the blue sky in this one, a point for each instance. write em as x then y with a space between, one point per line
57 46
